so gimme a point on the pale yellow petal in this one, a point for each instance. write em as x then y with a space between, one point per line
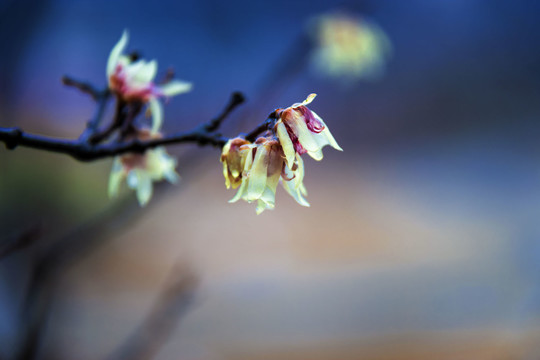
147 72
245 180
175 87
258 174
317 154
295 193
116 177
327 134
144 188
117 50
305 136
309 99
226 175
286 143
299 178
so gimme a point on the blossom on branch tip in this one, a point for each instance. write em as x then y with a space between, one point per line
134 81
257 170
301 131
140 170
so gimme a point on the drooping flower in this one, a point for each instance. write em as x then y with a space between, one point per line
134 81
233 157
257 169
350 47
140 170
301 131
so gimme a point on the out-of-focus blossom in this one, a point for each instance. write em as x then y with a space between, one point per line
263 167
350 47
134 81
301 131
140 170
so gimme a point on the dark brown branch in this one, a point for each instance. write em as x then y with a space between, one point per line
119 118
85 151
266 125
100 96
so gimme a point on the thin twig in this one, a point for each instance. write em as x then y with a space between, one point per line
83 86
237 98
266 125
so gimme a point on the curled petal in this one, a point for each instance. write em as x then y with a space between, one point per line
116 52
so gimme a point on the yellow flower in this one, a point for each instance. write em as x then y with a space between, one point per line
233 157
140 170
301 131
257 169
134 81
350 47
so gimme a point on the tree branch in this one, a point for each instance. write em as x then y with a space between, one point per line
86 151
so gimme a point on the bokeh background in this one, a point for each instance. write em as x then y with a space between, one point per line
423 237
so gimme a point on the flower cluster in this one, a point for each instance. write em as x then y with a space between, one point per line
254 168
350 47
133 82
257 168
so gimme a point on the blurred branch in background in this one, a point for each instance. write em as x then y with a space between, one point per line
175 299
20 240
53 262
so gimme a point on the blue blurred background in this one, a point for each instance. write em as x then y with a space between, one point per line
422 240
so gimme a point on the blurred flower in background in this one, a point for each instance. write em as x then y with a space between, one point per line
141 169
134 81
349 47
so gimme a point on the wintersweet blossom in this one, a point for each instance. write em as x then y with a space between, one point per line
350 47
140 170
134 81
301 131
233 157
257 169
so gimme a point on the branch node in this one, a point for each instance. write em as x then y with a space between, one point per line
13 138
